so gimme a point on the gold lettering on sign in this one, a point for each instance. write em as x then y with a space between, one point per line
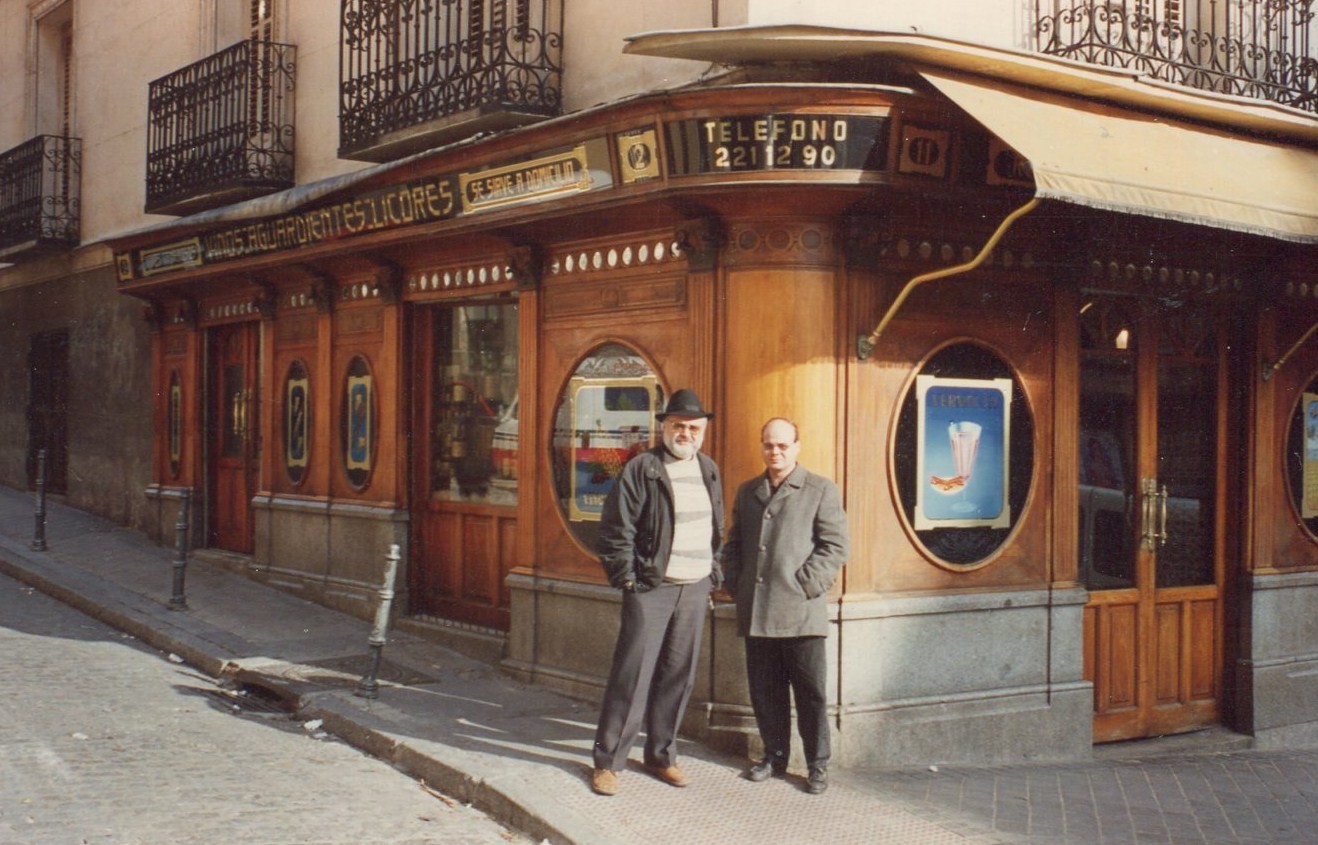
638 155
924 151
170 257
550 176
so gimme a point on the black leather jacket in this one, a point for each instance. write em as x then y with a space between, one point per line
636 527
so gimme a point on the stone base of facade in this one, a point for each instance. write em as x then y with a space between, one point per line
1278 669
333 554
980 678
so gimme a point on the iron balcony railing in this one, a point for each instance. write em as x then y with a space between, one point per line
416 71
221 129
39 194
1249 48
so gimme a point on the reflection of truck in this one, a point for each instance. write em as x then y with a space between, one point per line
603 424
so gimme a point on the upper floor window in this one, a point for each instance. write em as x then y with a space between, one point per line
54 78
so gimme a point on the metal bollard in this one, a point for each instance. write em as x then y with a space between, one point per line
39 538
369 686
179 601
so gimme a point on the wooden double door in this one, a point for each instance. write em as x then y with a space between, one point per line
232 430
1156 446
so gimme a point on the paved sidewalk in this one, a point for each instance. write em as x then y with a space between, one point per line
521 753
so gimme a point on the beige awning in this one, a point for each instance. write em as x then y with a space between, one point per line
1104 157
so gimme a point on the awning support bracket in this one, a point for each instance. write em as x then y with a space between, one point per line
865 343
1270 369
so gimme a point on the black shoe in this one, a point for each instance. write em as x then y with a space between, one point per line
817 783
762 770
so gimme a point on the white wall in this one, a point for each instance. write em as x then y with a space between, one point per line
995 23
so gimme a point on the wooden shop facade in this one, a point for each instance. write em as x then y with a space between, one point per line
1067 412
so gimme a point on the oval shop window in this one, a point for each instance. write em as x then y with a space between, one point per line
963 454
1302 458
605 415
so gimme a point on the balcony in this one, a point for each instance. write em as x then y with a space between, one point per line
1260 49
415 74
39 196
221 130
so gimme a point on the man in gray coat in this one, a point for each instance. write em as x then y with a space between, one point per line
787 543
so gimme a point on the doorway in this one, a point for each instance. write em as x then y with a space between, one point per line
232 435
466 484
1155 451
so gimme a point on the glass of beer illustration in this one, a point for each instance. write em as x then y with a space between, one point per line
964 439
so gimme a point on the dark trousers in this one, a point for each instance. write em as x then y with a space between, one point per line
773 667
654 669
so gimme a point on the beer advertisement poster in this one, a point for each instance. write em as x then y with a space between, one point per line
962 453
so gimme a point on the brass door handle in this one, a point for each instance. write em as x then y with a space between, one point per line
1162 517
1153 531
1148 530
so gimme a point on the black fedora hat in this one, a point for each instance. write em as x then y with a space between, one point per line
684 403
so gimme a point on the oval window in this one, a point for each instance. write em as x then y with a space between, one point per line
605 415
1302 458
963 454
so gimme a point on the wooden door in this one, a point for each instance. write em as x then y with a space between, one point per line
232 435
465 482
1154 446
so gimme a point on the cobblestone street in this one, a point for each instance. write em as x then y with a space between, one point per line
105 741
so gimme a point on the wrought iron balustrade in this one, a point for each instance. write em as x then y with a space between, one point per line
221 129
408 65
39 194
1248 48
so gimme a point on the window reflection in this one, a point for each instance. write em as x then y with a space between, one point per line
605 416
474 439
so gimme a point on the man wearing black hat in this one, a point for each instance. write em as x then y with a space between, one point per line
660 534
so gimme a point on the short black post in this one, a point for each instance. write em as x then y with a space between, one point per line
39 538
179 601
370 686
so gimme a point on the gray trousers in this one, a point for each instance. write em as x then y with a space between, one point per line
654 669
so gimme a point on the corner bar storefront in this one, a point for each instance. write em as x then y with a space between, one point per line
456 352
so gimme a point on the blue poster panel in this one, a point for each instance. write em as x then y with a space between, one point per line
358 455
962 454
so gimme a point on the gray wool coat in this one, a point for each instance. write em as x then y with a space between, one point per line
783 553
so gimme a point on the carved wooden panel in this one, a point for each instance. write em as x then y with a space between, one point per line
614 295
1167 655
459 564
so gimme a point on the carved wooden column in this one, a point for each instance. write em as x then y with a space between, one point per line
782 340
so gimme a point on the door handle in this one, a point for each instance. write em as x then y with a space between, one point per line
1162 517
1148 500
1153 534
239 416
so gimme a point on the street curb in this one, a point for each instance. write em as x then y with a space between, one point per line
461 779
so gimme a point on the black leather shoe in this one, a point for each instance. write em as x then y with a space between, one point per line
765 769
817 783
